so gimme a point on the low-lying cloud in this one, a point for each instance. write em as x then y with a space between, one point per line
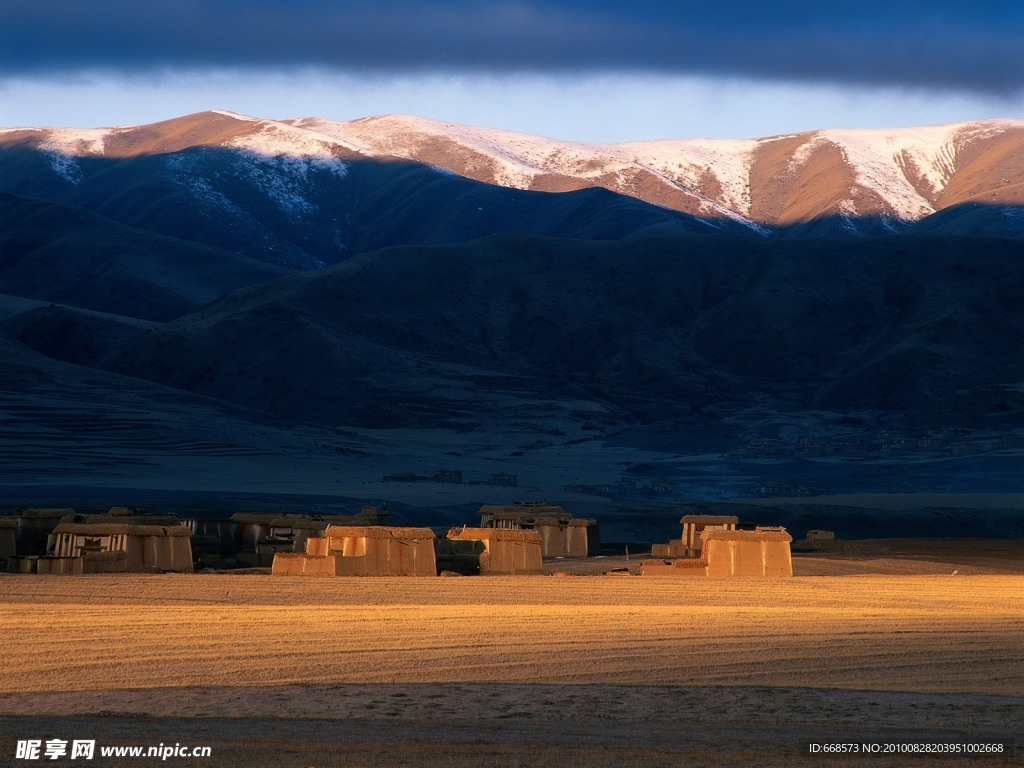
944 44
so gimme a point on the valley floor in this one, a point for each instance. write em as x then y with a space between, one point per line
518 671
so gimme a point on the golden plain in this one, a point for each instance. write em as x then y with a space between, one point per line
595 670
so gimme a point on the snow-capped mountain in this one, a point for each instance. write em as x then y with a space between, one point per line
297 197
820 182
889 176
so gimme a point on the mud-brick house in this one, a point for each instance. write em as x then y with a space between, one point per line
366 550
115 547
507 551
262 535
696 526
562 535
765 551
285 534
691 541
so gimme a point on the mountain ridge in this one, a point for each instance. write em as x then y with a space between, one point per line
290 197
865 181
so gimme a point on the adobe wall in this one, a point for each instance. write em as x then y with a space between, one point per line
383 557
60 566
295 564
674 548
391 557
104 562
511 557
169 553
572 540
505 550
397 557
746 553
23 564
316 545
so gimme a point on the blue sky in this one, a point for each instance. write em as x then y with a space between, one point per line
590 71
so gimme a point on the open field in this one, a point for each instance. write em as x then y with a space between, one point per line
861 557
511 671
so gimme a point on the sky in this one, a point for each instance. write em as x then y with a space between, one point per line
591 70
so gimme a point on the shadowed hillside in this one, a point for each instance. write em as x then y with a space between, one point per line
658 327
64 254
304 213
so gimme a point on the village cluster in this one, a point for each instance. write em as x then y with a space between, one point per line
510 539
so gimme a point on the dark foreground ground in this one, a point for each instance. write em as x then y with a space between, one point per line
553 725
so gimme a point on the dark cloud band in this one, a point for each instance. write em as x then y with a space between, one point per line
940 43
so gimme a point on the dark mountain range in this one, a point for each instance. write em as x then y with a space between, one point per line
222 284
910 326
65 254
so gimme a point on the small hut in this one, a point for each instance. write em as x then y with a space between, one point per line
562 535
491 551
362 550
262 535
109 547
765 551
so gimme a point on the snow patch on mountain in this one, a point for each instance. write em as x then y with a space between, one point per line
64 145
335 132
882 159
283 179
689 161
297 150
280 159
518 159
76 142
803 153
236 116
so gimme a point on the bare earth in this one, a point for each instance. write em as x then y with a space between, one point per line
517 671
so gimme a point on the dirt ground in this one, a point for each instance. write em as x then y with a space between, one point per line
525 671
891 557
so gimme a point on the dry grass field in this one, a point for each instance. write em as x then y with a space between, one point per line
556 670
